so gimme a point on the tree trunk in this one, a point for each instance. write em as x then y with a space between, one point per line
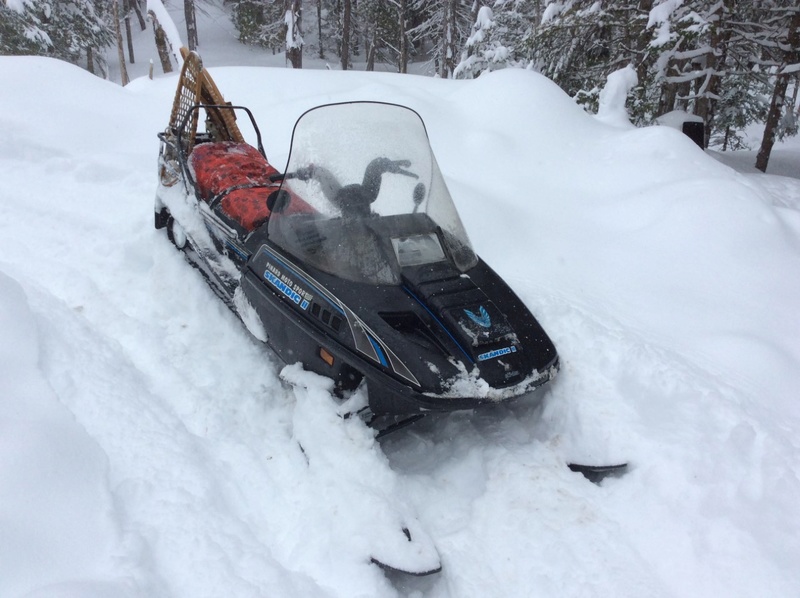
127 8
294 39
191 24
779 93
371 52
773 118
449 41
355 37
403 24
161 43
138 10
344 50
90 60
705 106
639 40
123 69
319 29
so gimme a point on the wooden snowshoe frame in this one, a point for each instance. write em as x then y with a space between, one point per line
196 86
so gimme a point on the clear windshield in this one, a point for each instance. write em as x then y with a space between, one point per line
364 197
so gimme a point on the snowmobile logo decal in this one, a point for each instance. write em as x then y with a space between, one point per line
482 320
363 338
497 353
297 295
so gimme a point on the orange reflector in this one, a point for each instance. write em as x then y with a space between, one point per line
326 357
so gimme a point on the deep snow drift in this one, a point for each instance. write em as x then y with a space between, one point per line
150 447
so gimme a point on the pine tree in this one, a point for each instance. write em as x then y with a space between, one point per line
446 25
260 22
70 30
778 35
730 62
21 33
386 24
497 39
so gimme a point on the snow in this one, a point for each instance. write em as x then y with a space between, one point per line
293 39
17 5
151 446
676 118
484 20
51 468
611 107
660 15
552 10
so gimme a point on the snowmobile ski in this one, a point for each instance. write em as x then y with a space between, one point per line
597 473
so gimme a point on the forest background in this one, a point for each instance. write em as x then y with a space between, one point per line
729 64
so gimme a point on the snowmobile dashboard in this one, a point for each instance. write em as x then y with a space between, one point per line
372 250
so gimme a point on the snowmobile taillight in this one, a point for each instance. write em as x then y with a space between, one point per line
326 356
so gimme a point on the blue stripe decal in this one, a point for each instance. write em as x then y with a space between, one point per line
439 322
379 351
294 271
236 250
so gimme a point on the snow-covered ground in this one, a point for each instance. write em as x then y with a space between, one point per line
150 447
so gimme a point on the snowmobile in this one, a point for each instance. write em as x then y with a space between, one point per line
353 260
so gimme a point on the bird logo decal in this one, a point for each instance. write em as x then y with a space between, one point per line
481 320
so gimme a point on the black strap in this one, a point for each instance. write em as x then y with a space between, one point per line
214 201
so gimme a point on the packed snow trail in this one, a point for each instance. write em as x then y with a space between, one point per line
359 492
665 279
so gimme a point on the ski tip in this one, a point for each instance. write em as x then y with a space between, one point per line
421 560
597 473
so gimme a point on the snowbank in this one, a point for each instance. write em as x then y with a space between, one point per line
57 519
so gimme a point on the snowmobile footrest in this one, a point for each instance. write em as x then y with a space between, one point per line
400 425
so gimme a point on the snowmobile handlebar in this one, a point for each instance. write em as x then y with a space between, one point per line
355 198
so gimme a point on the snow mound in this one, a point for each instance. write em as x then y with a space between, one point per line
58 521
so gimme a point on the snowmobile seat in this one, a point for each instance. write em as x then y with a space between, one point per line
235 177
